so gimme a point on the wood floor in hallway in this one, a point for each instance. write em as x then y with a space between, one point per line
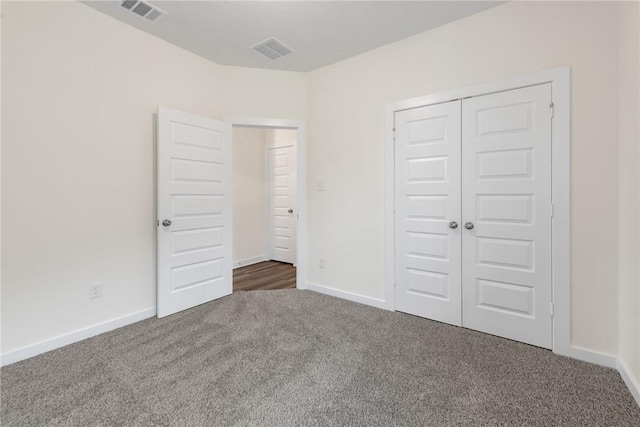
265 275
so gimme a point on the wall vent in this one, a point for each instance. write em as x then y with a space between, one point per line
143 9
272 48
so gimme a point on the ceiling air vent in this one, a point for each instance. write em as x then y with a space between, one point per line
143 9
272 48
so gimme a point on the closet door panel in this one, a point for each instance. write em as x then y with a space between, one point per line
427 191
506 195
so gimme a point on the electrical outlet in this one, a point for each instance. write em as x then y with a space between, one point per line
95 290
321 262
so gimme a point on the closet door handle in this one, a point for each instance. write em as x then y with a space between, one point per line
469 226
453 225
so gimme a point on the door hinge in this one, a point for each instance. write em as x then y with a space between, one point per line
551 106
157 222
552 310
551 210
394 134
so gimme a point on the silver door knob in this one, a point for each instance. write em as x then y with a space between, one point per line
166 222
290 211
453 225
468 226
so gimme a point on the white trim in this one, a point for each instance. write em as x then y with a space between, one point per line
561 199
591 356
632 383
75 336
301 128
271 145
389 208
350 296
249 261
561 155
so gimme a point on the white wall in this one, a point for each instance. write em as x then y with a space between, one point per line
346 122
281 136
629 182
249 195
80 90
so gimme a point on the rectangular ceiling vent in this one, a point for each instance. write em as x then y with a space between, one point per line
143 9
272 48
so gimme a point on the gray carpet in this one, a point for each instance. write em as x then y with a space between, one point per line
297 358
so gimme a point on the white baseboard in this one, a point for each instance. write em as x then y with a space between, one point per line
579 353
351 296
249 261
591 356
632 383
72 337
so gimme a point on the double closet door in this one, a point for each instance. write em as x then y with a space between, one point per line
473 213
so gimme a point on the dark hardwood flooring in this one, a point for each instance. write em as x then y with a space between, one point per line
265 275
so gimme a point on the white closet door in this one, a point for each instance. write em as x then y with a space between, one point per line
194 210
427 191
506 164
282 204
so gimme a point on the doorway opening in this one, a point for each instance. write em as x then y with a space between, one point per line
265 203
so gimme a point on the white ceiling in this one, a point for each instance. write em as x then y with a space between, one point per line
319 32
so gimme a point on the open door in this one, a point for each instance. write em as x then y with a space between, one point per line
194 210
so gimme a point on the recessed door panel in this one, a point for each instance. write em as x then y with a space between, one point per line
505 164
512 117
196 170
509 253
428 283
202 273
427 131
506 298
427 207
505 208
428 245
197 136
427 169
196 240
190 205
427 189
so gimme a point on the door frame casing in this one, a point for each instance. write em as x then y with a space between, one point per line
301 226
560 80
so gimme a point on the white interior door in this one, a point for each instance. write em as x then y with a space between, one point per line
427 191
506 164
194 210
282 203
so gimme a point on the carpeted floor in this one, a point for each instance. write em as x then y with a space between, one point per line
289 357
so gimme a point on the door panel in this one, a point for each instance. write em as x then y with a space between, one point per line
506 194
194 251
427 189
282 204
